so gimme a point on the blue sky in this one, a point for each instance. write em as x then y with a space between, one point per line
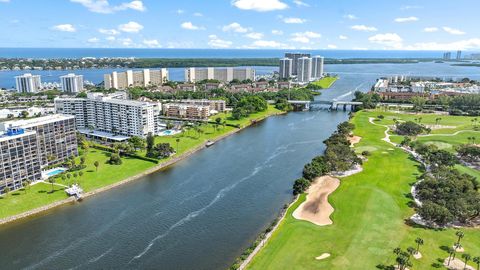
267 24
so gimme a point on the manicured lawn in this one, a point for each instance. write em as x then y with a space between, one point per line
369 219
19 201
246 121
325 82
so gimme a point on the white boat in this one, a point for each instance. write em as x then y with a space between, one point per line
209 143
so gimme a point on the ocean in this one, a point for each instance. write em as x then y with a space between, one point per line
203 53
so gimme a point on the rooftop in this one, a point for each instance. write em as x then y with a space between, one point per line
32 122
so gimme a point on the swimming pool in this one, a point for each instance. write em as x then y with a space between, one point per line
169 132
55 172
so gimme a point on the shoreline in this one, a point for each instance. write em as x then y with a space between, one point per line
160 166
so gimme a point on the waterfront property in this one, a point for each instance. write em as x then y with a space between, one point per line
371 209
221 74
28 83
132 78
72 83
111 115
55 134
185 110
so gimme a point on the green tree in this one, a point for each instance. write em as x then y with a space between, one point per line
419 242
477 261
300 185
178 141
418 103
6 190
51 180
96 164
466 257
150 142
24 185
459 235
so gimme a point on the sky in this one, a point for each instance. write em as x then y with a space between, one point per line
242 24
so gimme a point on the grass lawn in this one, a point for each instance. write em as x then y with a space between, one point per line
369 218
325 82
39 195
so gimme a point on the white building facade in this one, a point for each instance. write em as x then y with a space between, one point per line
286 67
133 78
304 69
221 74
72 83
317 67
28 83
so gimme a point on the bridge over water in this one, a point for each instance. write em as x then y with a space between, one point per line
333 104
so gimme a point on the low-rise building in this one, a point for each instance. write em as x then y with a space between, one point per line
221 74
215 105
187 87
132 78
187 111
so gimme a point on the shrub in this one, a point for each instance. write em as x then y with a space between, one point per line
366 153
300 186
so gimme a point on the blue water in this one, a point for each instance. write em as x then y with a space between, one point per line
202 53
57 171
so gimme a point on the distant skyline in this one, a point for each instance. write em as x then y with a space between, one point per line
242 24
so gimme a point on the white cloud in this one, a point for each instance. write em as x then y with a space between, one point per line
300 3
110 32
453 31
361 27
392 40
151 43
254 35
93 40
234 27
191 26
64 28
473 43
216 42
430 29
180 11
342 37
294 20
332 46
110 38
126 42
268 44
130 27
198 14
305 37
261 6
350 17
4 1
277 32
410 7
103 6
406 19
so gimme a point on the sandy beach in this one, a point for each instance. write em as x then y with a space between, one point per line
316 208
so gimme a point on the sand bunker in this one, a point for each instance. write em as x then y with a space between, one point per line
316 208
323 256
457 264
354 139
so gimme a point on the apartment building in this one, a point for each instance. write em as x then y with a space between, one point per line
215 105
135 78
304 69
19 159
108 116
28 83
317 67
188 111
72 83
295 57
55 134
286 68
221 74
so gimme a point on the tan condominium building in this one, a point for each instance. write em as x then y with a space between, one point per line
215 105
110 115
19 160
135 78
55 134
221 74
188 111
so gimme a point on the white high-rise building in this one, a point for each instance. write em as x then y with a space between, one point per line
304 69
132 78
286 66
222 74
72 83
295 57
108 116
28 83
317 67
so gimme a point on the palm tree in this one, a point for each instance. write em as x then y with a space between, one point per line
473 139
456 246
177 140
466 258
6 190
477 261
24 185
419 242
460 235
51 180
397 251
96 164
451 252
